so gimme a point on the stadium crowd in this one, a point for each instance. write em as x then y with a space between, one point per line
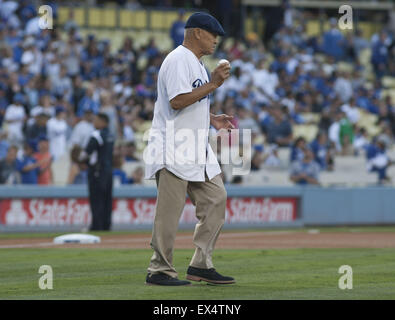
52 82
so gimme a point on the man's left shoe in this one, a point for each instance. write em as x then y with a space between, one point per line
208 275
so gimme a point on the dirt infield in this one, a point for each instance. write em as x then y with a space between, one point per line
231 240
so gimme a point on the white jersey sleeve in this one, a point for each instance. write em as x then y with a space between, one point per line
177 77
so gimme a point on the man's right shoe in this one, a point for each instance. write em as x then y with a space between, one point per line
208 275
162 279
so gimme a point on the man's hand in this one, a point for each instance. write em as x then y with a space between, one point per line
220 74
221 121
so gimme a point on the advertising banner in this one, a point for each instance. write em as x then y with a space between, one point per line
63 212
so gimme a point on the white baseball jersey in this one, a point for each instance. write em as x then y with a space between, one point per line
178 139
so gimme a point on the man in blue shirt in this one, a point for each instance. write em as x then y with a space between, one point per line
87 103
279 131
380 55
305 171
333 42
320 148
28 167
177 30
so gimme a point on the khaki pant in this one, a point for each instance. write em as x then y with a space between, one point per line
209 197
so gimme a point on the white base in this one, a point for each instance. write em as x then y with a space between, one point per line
76 238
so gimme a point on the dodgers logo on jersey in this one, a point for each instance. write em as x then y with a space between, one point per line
198 83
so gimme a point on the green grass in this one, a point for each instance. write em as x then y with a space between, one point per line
260 274
26 235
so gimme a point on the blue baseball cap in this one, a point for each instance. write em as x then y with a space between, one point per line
205 21
18 98
59 109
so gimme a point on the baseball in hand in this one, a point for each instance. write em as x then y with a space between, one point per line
222 61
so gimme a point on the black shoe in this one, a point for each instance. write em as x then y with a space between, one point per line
161 279
208 275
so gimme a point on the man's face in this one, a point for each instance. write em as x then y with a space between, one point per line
322 139
11 154
41 120
28 150
208 41
308 156
61 115
89 116
43 146
98 123
277 114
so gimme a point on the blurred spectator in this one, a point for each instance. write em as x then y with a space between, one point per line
45 106
379 57
70 24
272 158
87 102
57 129
246 120
305 171
346 133
361 140
351 110
321 149
4 144
44 158
28 166
3 103
38 126
107 107
334 132
14 118
78 173
78 92
151 50
129 152
82 130
333 42
378 161
62 85
137 176
177 30
32 57
237 180
343 86
257 158
359 43
118 175
8 167
297 149
279 130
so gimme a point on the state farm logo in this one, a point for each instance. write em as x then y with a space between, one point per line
145 211
122 214
52 212
48 212
260 210
16 215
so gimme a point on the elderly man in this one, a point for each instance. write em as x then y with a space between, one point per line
181 166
